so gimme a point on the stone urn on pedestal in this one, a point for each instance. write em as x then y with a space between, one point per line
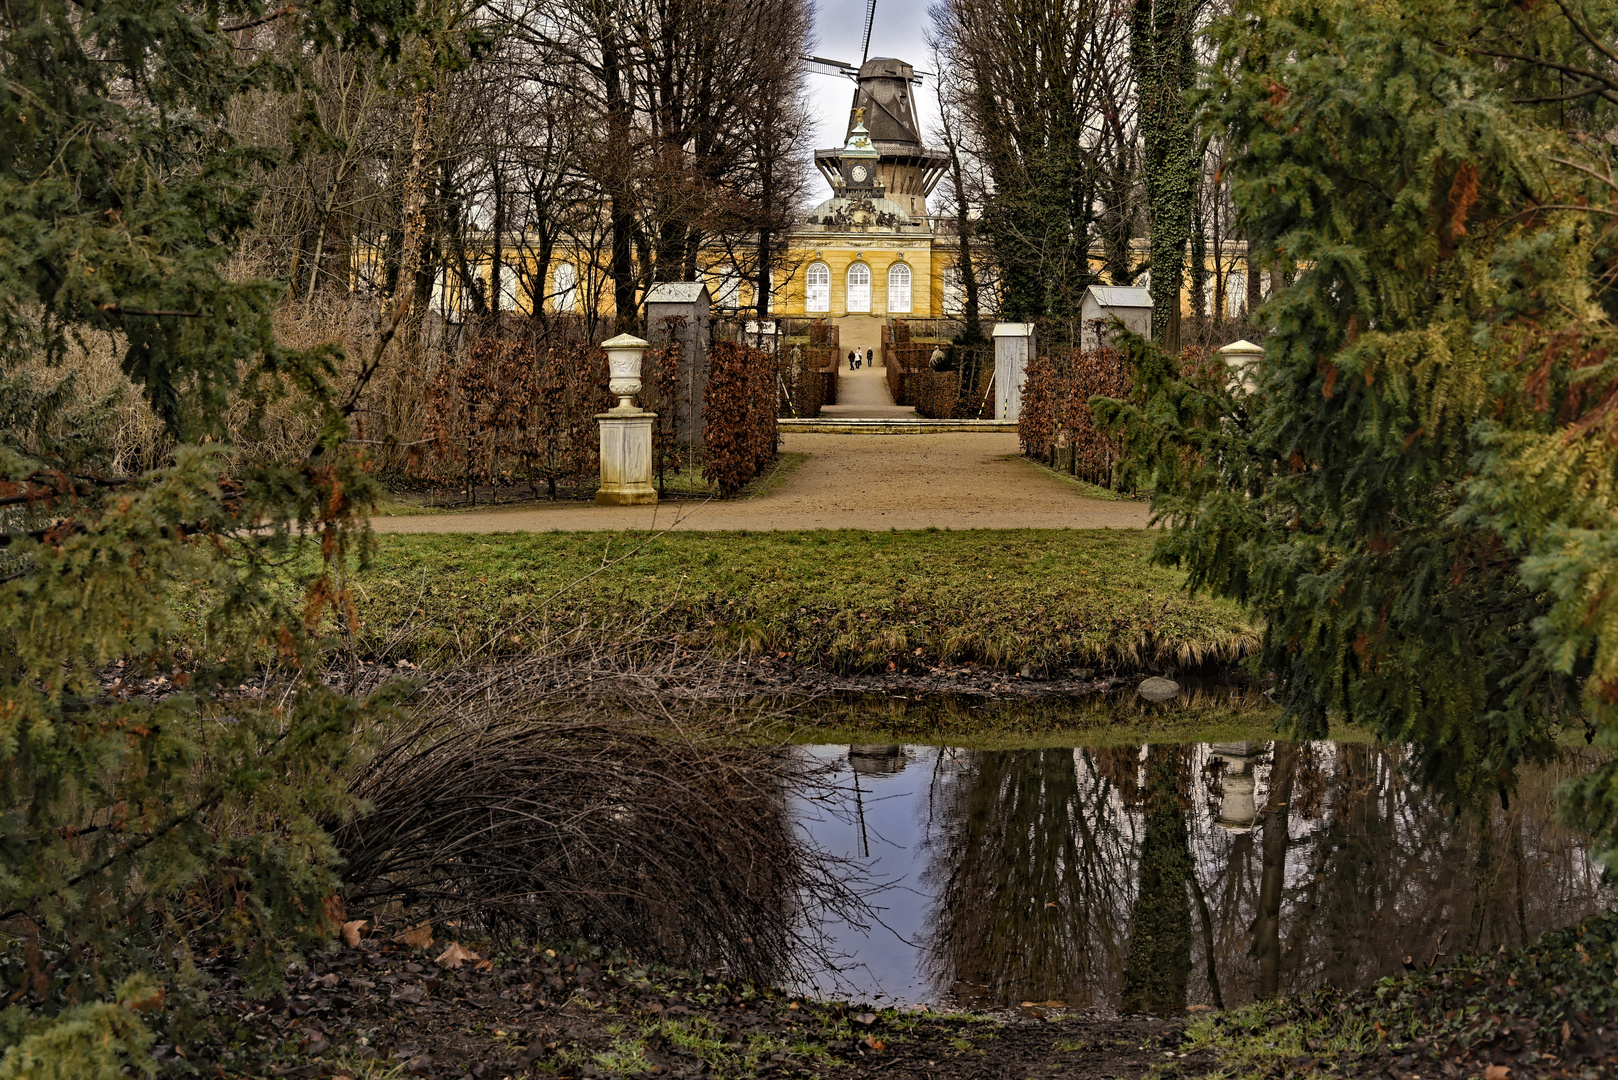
626 430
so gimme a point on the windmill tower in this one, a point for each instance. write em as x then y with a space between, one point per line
883 86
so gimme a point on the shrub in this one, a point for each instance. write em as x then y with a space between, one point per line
1056 425
739 434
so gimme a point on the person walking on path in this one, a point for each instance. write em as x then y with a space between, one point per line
851 359
870 357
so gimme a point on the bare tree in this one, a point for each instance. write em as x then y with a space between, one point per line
1035 82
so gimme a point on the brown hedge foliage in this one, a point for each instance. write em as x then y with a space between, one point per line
518 411
810 381
739 435
937 395
1056 426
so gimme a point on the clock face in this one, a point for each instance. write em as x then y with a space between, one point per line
858 174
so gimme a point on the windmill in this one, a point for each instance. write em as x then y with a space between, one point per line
841 68
883 88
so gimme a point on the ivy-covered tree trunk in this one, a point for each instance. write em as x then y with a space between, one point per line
1158 965
1161 39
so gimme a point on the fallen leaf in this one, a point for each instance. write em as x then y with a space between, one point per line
483 965
333 907
873 1042
1199 1008
409 995
865 1018
1497 1072
418 937
456 955
353 930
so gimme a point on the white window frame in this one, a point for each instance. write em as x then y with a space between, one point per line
565 297
817 288
1235 293
954 290
726 289
899 278
858 284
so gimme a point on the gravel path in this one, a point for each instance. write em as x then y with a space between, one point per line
864 393
946 481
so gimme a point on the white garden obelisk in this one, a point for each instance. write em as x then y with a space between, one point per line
626 430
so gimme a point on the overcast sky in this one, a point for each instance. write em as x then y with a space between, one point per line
839 27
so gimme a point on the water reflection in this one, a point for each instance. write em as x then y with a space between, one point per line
1151 878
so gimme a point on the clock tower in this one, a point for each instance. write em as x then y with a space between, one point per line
858 165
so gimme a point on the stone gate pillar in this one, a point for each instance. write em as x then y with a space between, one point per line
689 301
1013 348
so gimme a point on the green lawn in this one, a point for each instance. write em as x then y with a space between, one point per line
846 600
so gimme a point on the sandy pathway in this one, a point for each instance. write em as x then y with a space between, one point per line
864 393
949 481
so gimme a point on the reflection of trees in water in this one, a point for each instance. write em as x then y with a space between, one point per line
1083 875
1158 961
1032 876
1377 872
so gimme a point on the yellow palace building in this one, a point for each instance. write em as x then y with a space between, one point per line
870 253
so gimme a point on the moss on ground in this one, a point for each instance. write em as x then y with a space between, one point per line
843 600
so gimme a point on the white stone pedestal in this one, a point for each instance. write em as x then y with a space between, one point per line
626 458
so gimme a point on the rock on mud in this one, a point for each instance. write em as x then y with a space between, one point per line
1159 689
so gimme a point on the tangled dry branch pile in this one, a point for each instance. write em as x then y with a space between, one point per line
520 810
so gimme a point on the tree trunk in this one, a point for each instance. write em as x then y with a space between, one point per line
1161 53
1267 927
413 217
496 246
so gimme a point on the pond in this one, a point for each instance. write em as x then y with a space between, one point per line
1152 878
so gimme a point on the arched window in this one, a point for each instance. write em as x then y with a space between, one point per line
954 290
727 287
899 287
564 288
817 288
859 287
1235 294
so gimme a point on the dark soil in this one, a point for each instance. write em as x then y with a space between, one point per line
361 1011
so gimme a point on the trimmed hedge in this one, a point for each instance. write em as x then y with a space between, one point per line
739 434
1056 427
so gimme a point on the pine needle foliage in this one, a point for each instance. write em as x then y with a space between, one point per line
1415 492
135 829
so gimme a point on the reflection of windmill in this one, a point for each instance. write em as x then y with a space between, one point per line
909 170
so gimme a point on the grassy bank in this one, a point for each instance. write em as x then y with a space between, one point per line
1547 1009
844 600
1116 718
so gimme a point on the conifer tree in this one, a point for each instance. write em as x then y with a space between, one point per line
135 826
1417 495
